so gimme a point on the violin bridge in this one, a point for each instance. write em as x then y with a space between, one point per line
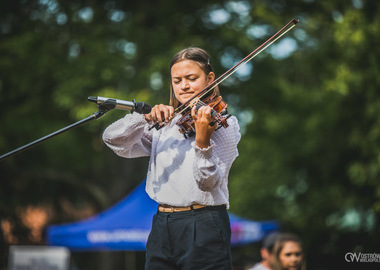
194 102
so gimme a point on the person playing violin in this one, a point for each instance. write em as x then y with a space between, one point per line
188 177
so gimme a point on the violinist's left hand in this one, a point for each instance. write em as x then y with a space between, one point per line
203 131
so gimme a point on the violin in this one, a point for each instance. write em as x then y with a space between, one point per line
207 97
219 114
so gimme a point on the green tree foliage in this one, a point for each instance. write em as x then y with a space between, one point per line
313 144
308 107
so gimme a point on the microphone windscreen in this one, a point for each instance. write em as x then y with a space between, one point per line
142 107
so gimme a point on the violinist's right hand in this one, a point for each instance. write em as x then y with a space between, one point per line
160 113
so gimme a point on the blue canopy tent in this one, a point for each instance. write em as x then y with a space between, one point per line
126 226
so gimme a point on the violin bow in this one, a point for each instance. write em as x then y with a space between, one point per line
292 23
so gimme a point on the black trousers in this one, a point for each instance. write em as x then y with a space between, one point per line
196 239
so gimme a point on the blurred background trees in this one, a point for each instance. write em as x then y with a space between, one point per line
308 106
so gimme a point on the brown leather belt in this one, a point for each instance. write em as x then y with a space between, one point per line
172 209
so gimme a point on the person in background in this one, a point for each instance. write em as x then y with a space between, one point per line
266 252
288 253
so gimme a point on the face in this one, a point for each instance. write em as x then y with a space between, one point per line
188 79
291 256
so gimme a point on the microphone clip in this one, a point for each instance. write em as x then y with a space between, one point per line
104 107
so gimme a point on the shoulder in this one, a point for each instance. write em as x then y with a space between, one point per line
233 121
232 131
227 138
259 266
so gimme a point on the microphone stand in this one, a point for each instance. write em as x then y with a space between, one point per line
102 109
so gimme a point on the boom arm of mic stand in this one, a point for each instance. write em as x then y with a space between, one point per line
103 108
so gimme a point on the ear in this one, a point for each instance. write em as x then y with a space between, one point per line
264 253
210 77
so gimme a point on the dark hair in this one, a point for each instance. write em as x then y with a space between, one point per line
270 241
280 243
194 54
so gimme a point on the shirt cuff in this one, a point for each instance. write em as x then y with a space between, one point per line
205 153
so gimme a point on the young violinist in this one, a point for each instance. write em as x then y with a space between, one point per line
188 177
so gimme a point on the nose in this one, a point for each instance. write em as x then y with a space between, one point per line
184 85
296 259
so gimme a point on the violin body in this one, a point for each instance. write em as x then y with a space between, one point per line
219 113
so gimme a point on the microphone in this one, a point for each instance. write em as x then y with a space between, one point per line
133 106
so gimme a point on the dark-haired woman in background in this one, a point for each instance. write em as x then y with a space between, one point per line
288 253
